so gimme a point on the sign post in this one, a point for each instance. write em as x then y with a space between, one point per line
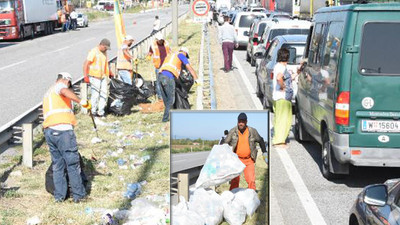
200 9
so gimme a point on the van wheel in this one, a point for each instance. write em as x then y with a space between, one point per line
21 34
266 104
252 61
326 157
300 134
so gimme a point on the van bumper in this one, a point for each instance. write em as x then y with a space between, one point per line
379 157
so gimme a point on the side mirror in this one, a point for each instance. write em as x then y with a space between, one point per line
303 66
375 195
246 33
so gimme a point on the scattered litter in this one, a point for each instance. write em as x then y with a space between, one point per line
133 190
142 149
96 140
120 150
133 166
164 134
16 173
208 204
114 154
132 157
113 131
69 221
160 142
124 167
108 219
221 166
249 199
121 178
102 164
119 134
33 220
121 162
146 212
116 103
145 158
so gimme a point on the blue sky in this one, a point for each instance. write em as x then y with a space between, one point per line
210 125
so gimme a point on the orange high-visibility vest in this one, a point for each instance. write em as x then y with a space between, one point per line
123 62
57 109
99 67
157 55
172 64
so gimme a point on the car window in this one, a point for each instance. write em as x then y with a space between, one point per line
246 20
279 32
379 51
314 56
295 59
261 28
271 50
332 49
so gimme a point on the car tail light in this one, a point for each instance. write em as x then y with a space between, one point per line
355 152
271 75
268 43
255 39
342 108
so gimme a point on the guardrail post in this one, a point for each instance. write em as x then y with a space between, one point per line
27 144
84 94
183 185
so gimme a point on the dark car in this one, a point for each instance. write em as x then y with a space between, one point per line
377 204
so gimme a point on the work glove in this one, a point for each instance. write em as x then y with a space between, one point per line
265 157
86 79
86 104
197 83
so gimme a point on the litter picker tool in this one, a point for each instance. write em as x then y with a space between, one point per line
97 134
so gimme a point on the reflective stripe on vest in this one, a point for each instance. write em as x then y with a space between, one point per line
99 67
157 55
57 109
172 64
122 62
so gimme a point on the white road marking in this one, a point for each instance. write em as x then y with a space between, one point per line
89 39
60 49
11 65
246 81
304 195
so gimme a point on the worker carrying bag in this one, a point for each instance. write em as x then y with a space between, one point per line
182 89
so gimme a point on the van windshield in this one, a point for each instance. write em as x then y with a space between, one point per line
379 53
279 32
295 59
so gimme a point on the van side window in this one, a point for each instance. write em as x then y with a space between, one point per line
271 50
314 55
332 49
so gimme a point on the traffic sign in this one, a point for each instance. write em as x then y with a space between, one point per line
200 7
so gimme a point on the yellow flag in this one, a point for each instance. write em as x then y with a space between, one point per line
119 24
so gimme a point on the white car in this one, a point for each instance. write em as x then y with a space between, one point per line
242 23
82 20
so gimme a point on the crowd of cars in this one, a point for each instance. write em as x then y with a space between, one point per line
346 91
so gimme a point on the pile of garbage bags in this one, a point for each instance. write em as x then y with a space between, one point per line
221 166
123 96
208 207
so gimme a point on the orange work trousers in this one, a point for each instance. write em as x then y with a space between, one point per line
249 175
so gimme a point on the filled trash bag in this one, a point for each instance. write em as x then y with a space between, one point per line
146 88
181 215
145 212
221 166
234 210
208 204
49 181
249 198
182 88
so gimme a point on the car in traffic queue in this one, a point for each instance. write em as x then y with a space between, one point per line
242 23
348 91
82 20
256 30
295 44
377 204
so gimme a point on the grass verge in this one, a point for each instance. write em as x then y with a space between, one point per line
96 15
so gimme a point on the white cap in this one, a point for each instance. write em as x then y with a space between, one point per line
65 75
128 38
159 36
184 49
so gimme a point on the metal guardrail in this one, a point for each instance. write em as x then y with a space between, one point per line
13 132
210 72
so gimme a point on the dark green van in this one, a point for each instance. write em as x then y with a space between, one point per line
349 90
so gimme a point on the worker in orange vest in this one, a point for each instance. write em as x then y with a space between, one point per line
58 124
170 70
124 60
158 51
96 70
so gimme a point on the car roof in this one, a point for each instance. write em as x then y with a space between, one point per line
362 7
251 13
291 38
289 24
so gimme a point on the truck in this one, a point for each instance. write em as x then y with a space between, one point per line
223 4
25 18
299 8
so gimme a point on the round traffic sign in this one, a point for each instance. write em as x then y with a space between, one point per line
200 7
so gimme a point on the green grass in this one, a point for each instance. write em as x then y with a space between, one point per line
95 15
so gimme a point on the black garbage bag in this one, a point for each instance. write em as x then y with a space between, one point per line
49 181
146 88
182 88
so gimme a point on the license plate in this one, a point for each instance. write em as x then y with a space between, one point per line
380 126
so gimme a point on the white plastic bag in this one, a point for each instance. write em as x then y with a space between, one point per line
221 166
181 215
208 205
234 210
144 212
249 199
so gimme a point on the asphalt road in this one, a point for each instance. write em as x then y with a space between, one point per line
29 68
299 193
184 161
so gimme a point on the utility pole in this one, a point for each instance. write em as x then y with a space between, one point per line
175 22
311 8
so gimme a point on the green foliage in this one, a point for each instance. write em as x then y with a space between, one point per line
12 194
